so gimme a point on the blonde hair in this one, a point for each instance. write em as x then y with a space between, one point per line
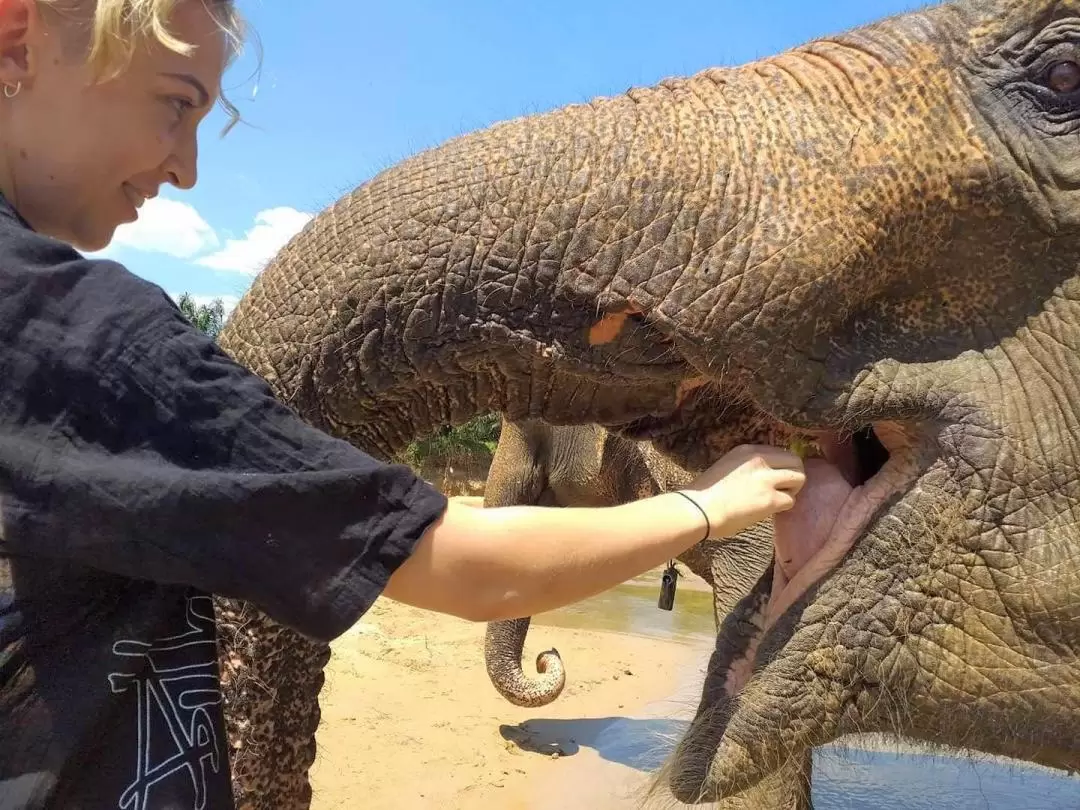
117 27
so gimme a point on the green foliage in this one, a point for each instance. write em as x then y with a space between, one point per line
477 437
208 318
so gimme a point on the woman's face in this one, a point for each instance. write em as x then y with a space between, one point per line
77 157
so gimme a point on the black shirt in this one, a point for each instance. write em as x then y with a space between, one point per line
140 470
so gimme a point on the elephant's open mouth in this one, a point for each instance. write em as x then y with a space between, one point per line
851 482
860 457
851 479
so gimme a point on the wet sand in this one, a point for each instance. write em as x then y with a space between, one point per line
410 720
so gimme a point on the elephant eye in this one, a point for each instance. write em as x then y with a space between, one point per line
1063 77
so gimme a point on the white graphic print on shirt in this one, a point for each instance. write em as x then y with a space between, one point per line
176 733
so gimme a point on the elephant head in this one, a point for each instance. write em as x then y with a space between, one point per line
870 240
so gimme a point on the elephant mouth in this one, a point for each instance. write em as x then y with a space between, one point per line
860 457
877 462
852 478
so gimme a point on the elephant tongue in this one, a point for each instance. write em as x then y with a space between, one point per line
802 531
798 535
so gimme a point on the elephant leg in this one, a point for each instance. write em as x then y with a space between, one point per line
270 681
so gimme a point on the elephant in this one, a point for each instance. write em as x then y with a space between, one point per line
869 242
585 465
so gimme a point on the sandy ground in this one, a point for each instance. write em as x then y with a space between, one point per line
410 719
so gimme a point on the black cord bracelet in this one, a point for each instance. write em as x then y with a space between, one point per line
708 526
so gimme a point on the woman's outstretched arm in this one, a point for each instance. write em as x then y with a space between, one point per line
509 562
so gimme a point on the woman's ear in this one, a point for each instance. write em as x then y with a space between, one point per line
20 39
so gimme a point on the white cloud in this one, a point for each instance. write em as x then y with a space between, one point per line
165 226
273 228
177 229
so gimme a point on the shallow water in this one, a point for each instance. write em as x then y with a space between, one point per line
851 779
631 608
845 777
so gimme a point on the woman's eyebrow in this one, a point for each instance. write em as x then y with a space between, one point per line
204 95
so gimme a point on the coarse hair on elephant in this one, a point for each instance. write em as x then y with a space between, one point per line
870 240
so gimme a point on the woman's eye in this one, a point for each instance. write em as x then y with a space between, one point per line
1063 77
181 105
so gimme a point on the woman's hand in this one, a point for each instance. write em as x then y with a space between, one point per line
749 484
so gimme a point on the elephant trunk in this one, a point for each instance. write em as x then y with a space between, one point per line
503 646
729 567
509 270
645 262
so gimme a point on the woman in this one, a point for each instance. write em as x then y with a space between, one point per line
141 469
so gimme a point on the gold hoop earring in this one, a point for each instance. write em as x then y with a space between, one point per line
9 93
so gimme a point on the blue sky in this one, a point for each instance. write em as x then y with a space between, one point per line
349 87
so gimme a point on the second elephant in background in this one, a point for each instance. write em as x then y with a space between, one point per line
586 465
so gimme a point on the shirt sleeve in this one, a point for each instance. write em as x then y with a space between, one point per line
129 442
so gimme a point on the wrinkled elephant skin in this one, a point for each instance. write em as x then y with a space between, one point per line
871 239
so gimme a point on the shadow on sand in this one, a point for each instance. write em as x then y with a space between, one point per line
638 743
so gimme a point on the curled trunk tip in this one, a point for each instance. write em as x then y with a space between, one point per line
503 646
